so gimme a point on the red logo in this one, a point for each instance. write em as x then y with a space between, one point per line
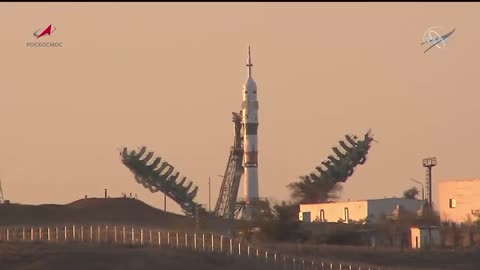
48 31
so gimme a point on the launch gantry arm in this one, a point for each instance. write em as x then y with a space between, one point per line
227 199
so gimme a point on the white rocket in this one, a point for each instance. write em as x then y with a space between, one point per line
250 141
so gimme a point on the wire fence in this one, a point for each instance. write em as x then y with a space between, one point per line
197 242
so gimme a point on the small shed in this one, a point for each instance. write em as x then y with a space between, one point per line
425 236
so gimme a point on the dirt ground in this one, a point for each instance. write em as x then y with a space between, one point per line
39 256
393 258
44 256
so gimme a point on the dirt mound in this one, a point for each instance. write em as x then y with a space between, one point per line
93 210
129 203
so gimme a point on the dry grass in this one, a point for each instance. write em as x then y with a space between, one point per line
393 258
43 256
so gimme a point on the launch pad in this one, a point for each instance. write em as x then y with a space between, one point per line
243 160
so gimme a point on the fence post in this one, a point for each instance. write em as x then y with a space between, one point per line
231 246
248 251
203 242
98 233
124 235
331 266
32 234
56 233
48 234
340 266
23 233
275 261
73 232
66 236
257 252
115 236
81 233
141 236
294 264
195 241
8 234
186 240
168 238
221 244
266 256
239 249
151 238
91 233
106 233
212 243
159 238
284 263
177 238
133 235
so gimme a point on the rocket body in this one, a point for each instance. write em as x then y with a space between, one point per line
250 138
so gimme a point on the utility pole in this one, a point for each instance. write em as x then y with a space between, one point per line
1 193
196 217
164 202
209 199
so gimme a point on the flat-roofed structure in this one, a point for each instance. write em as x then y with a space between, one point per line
459 200
354 211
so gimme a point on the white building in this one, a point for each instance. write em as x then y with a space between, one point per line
368 210
458 200
425 237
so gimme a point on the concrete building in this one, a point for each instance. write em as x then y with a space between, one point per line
353 211
425 237
458 200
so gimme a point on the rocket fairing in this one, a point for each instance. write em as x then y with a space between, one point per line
250 140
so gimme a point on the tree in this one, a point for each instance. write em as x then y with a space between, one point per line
476 214
309 190
411 193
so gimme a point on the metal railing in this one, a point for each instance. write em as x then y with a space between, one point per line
155 237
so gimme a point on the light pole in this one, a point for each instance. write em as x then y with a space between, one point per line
164 202
429 163
423 191
209 198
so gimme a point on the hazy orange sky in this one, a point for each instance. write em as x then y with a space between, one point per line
168 76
